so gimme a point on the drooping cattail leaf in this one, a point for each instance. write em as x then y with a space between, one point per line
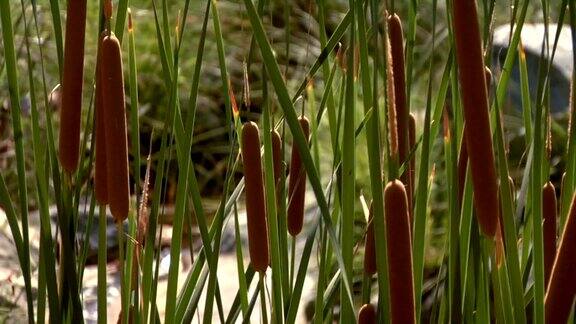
72 77
255 204
399 245
297 185
475 104
112 78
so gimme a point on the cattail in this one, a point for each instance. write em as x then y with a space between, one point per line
549 229
367 314
475 103
112 80
463 155
297 185
72 77
402 113
100 182
399 245
277 155
392 127
255 206
562 286
370 246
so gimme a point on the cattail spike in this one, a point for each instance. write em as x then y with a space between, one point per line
396 37
112 76
277 155
562 286
475 103
391 102
72 78
255 206
399 246
100 177
108 9
549 212
367 314
297 185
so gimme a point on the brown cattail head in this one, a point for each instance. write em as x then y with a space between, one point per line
297 185
370 246
367 314
463 155
277 155
402 114
255 205
399 246
562 286
100 182
72 77
391 102
475 103
112 79
549 215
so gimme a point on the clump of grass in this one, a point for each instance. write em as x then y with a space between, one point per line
367 314
255 205
297 185
562 286
112 79
72 78
399 246
549 214
475 105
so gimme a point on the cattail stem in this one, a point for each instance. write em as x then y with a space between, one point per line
255 205
549 213
115 128
562 286
399 246
297 185
475 104
72 78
